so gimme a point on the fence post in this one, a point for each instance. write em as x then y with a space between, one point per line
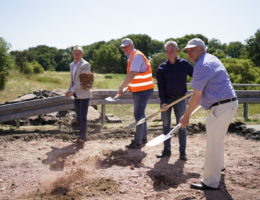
103 114
246 111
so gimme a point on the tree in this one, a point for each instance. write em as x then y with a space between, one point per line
45 56
63 58
237 50
6 62
241 70
156 60
107 59
253 47
216 48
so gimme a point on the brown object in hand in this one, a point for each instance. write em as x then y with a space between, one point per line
86 79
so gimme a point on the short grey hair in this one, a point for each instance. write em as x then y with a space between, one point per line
79 48
171 43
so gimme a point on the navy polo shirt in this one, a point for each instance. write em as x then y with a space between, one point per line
172 79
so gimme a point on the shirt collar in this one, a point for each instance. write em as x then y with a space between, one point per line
131 53
177 61
201 57
76 64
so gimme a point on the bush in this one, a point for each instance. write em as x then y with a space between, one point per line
6 62
32 67
156 60
241 70
37 68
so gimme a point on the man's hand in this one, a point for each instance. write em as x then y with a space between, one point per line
69 94
120 90
184 121
164 107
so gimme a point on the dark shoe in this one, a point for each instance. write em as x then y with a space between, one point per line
133 145
223 169
202 186
144 141
183 157
164 153
80 144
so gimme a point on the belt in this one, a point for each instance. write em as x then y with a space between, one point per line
223 101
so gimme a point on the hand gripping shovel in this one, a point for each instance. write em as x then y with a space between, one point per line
161 138
115 98
134 124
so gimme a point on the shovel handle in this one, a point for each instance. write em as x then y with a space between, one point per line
178 100
118 95
168 106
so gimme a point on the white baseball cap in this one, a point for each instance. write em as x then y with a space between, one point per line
195 42
125 42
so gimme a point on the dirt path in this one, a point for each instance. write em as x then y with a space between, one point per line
49 168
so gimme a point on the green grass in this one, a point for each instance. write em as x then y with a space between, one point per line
19 84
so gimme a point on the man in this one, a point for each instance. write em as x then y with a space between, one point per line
214 91
80 91
139 81
172 77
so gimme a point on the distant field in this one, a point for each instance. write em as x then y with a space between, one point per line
19 84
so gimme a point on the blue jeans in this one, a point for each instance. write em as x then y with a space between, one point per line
140 102
179 110
81 109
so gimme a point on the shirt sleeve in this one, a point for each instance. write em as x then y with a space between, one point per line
189 69
161 86
138 64
201 76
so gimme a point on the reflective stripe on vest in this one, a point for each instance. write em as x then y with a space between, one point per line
141 81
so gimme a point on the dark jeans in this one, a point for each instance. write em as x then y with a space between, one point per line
140 102
81 109
179 110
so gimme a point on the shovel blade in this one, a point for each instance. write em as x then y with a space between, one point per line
158 140
110 99
134 124
161 138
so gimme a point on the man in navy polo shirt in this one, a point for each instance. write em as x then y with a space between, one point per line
214 91
172 76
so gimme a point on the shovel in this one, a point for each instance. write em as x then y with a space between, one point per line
115 98
134 124
161 138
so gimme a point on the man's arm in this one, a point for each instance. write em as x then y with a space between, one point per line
189 69
194 101
69 92
127 80
161 88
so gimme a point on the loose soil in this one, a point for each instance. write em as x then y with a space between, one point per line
48 165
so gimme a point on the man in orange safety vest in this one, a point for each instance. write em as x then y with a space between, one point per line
140 82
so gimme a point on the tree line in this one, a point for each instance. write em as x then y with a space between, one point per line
241 59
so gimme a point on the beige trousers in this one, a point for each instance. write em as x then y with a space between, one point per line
217 124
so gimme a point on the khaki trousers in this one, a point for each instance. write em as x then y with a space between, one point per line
217 124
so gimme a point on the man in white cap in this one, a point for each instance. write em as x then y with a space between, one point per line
214 91
140 82
81 92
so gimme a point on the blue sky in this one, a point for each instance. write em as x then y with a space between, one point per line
64 23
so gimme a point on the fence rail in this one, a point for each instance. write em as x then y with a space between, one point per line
25 109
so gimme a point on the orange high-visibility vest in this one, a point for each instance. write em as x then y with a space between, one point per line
141 81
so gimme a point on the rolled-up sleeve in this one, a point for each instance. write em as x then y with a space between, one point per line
138 64
201 75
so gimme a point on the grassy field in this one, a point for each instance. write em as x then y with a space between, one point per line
19 84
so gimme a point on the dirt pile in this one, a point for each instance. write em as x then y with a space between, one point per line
75 185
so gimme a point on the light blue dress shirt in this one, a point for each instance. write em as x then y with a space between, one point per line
211 77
